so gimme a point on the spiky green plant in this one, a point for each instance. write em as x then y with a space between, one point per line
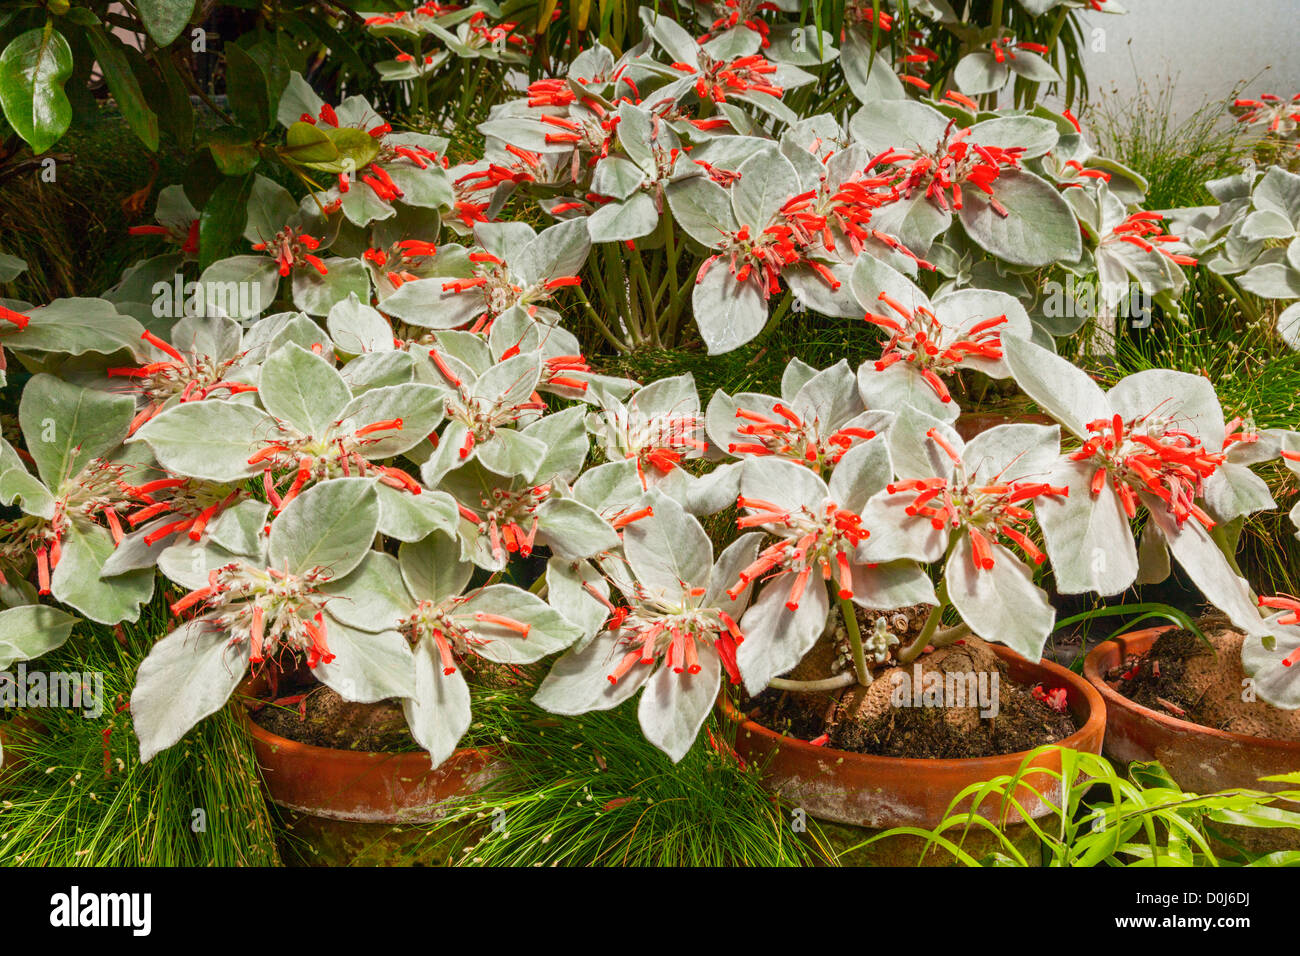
591 791
75 793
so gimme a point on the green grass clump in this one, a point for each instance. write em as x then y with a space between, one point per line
72 796
1176 156
591 791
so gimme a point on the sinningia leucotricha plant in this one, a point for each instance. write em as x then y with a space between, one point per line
369 442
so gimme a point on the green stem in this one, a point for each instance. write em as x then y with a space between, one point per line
855 642
846 679
1251 313
601 327
643 280
913 650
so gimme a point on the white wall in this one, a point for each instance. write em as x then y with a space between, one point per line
1207 48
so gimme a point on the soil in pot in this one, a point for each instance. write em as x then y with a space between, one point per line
318 715
868 719
1183 677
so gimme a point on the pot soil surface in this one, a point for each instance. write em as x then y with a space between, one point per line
866 720
325 719
1182 677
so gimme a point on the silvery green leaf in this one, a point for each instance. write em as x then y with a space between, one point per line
28 631
566 588
68 426
549 631
1001 603
75 326
623 221
355 327
1038 230
1032 133
239 527
509 453
303 389
897 124
377 369
1275 683
1189 400
134 553
216 336
913 453
702 209
409 517
1087 537
811 288
776 638
572 530
558 250
1288 326
188 675
613 485
1153 556
17 484
767 180
979 72
438 711
1279 191
317 294
567 443
735 557
418 407
432 568
372 597
367 667
1272 280
617 177
729 313
579 681
668 550
864 470
914 221
209 439
330 525
1033 67
424 302
189 563
77 582
896 535
1014 452
782 482
675 706
1060 388
241 287
1200 556
891 584
512 381
270 206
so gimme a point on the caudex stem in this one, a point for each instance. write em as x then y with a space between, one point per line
862 671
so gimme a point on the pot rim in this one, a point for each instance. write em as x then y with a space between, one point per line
1093 726
249 690
1093 671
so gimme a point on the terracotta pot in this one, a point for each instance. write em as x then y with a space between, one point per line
1202 759
17 727
970 424
361 786
882 792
